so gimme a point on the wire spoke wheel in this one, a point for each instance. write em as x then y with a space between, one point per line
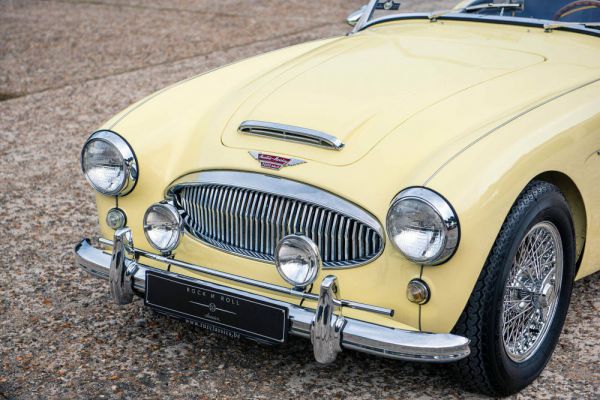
518 307
532 291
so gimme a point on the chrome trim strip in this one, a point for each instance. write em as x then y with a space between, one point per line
269 185
290 133
500 6
461 16
357 335
250 282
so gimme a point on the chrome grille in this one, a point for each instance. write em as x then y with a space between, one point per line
250 222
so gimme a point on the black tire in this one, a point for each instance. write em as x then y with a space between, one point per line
489 369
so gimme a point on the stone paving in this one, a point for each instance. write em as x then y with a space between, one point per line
67 66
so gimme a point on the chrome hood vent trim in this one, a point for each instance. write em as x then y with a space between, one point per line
246 214
291 134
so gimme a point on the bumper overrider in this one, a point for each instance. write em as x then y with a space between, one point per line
330 332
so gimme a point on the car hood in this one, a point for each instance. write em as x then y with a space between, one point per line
364 88
403 97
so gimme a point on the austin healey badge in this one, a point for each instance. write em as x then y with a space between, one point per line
274 162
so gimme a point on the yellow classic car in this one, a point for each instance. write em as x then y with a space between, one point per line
424 188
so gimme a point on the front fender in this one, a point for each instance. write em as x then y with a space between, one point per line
483 181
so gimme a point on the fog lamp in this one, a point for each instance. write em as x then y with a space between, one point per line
116 218
417 292
163 227
298 260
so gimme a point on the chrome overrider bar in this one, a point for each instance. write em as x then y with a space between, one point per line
328 329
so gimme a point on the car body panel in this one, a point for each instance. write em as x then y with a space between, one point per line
555 141
477 140
376 65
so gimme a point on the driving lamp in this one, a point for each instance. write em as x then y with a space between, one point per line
298 260
423 226
163 227
109 164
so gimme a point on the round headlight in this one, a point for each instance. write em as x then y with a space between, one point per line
109 164
297 260
423 226
163 227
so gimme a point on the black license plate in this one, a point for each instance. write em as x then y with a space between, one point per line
215 308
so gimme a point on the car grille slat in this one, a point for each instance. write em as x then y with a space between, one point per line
200 196
212 215
220 228
361 244
238 217
250 223
215 215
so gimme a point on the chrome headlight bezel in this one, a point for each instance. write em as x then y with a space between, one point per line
178 225
448 217
309 248
129 162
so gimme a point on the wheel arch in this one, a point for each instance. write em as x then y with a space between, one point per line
575 200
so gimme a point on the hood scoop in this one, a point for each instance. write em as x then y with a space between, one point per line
291 134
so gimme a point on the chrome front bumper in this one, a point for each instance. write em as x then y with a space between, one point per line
328 330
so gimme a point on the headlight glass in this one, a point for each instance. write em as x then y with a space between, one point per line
297 260
163 227
423 226
109 163
103 166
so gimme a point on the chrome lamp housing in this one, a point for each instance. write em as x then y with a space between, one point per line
109 164
163 227
298 260
423 226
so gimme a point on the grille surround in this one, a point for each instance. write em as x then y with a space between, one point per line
245 214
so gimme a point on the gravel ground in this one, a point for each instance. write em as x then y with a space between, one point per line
65 67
